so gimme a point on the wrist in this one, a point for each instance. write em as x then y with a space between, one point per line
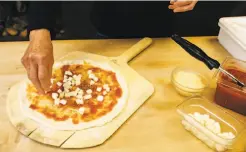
40 33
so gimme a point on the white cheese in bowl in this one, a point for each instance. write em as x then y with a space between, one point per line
189 80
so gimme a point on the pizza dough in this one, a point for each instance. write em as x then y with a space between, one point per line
68 124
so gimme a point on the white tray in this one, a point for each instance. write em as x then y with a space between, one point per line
232 36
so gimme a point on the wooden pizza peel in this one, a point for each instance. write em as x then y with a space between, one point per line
139 91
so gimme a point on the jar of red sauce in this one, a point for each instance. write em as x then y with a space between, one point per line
228 94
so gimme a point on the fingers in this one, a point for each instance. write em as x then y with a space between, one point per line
25 59
178 4
44 76
33 76
38 60
45 63
50 67
25 62
172 1
40 72
182 6
182 3
183 9
172 7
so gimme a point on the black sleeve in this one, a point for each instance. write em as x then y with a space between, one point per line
42 14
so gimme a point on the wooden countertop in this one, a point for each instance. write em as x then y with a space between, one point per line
156 126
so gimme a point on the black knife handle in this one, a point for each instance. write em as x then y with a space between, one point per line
196 52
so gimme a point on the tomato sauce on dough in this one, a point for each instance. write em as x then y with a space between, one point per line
93 109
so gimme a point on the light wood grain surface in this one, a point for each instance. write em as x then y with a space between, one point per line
154 127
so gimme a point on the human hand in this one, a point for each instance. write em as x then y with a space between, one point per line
38 59
182 5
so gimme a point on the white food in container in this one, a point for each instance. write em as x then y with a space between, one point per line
198 130
210 124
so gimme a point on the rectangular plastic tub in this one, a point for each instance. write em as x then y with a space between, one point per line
232 36
228 94
201 131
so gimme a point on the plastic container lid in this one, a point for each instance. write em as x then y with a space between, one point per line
236 28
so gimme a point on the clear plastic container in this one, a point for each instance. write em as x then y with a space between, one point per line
228 94
211 139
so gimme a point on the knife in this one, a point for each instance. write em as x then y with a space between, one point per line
199 54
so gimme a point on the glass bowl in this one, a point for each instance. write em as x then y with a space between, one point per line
187 86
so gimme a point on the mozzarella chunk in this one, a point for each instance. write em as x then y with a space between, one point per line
105 86
77 83
88 96
57 102
217 128
227 135
73 82
52 80
54 95
81 92
91 76
104 92
81 110
59 84
68 73
77 90
92 82
79 96
67 94
89 71
231 135
108 89
95 79
206 117
70 79
79 101
63 101
89 91
67 84
100 98
59 91
66 90
74 76
77 80
212 125
99 89
72 94
223 135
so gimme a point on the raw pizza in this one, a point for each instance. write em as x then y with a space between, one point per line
82 94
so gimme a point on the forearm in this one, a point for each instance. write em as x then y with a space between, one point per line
42 15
